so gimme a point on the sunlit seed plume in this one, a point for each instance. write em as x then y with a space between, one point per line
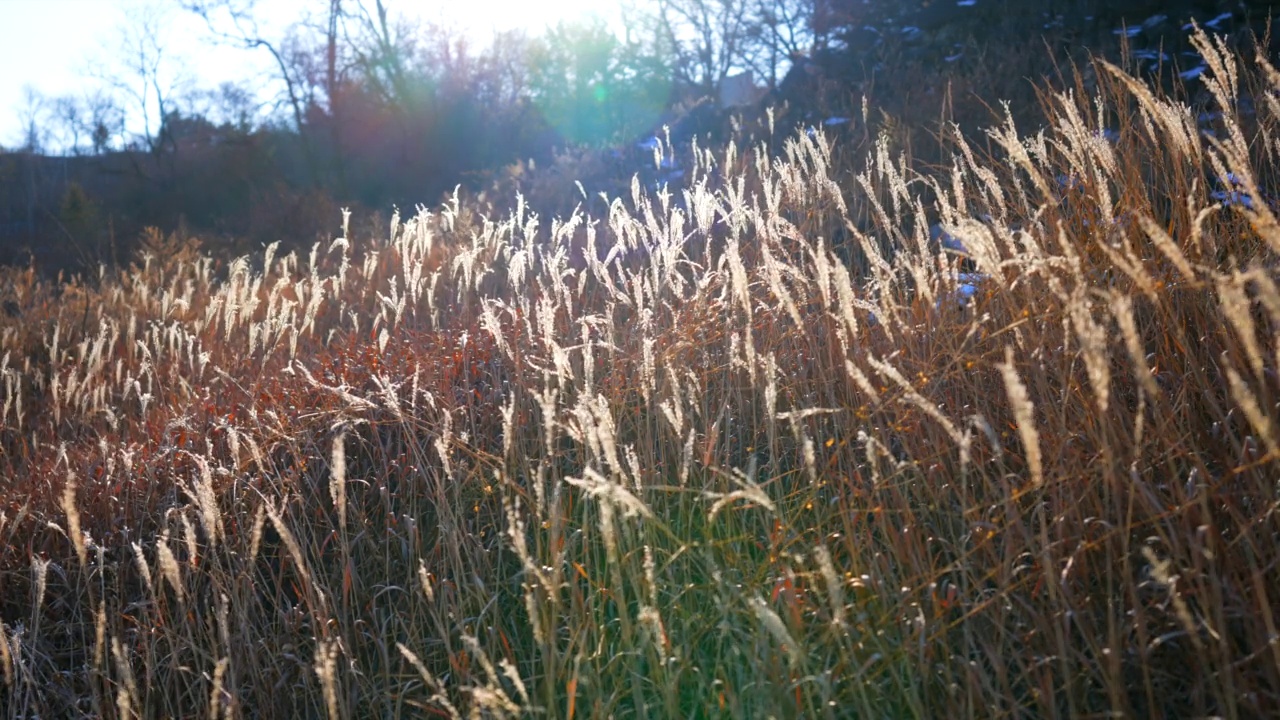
980 421
73 520
1024 414
610 493
778 287
648 366
1167 247
255 534
1176 121
443 444
770 388
355 402
6 658
338 477
508 426
516 528
492 696
1233 298
1248 402
1019 154
216 691
99 639
651 621
294 550
222 616
200 491
1160 572
390 392
1122 308
438 696
599 424
143 568
912 396
1093 340
777 629
835 588
425 582
1269 295
1223 78
860 379
513 676
169 565
748 490
326 669
489 321
127 692
189 537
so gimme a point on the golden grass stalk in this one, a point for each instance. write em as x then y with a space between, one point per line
1025 414
326 669
774 625
169 565
1248 402
437 688
338 477
73 520
6 659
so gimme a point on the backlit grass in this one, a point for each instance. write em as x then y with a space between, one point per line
768 446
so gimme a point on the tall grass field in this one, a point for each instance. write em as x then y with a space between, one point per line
819 434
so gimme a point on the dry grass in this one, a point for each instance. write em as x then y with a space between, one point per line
763 448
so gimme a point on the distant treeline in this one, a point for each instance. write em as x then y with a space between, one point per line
375 112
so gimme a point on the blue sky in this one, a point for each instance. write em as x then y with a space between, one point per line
58 47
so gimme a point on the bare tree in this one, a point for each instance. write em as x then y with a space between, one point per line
331 53
67 123
146 75
785 29
70 124
234 22
381 50
104 118
710 38
32 114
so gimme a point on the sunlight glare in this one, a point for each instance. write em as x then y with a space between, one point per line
484 16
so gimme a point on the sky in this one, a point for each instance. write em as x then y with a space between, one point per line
61 47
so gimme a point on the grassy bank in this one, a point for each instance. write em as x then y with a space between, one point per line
811 438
